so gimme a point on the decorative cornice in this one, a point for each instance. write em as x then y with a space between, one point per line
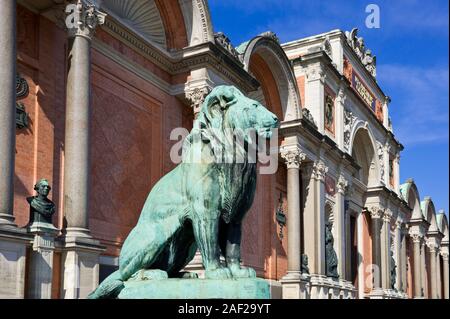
205 54
365 55
222 40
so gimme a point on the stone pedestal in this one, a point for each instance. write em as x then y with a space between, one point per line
377 293
41 260
13 247
323 287
254 288
392 294
295 286
80 261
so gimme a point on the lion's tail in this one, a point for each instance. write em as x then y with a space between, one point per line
109 288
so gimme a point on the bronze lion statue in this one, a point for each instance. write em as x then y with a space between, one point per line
201 203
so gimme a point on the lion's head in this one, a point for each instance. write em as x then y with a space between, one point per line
227 108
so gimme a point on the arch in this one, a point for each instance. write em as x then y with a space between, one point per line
363 151
197 20
267 47
268 93
158 21
429 214
410 194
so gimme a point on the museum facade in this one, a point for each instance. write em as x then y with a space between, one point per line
89 104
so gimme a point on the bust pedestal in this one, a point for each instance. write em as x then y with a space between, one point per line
296 286
41 267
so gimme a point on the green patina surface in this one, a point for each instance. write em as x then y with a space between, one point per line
253 288
200 204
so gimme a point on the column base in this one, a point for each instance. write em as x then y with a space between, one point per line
393 294
295 286
377 293
14 242
78 232
7 220
323 287
80 265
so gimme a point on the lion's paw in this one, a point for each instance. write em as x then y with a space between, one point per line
219 273
243 272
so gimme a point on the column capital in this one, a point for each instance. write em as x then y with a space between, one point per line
376 211
342 185
433 248
416 237
315 72
320 170
387 216
444 256
293 157
197 96
82 19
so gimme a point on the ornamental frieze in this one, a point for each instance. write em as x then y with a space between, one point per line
362 90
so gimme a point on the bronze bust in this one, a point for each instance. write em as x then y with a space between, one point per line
41 208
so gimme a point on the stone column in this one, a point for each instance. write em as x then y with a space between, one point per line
78 112
80 252
423 269
417 268
340 226
385 251
376 219
444 253
293 160
403 258
438 275
13 240
294 283
432 251
398 255
7 110
309 231
320 171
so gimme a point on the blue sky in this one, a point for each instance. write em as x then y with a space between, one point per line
411 46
